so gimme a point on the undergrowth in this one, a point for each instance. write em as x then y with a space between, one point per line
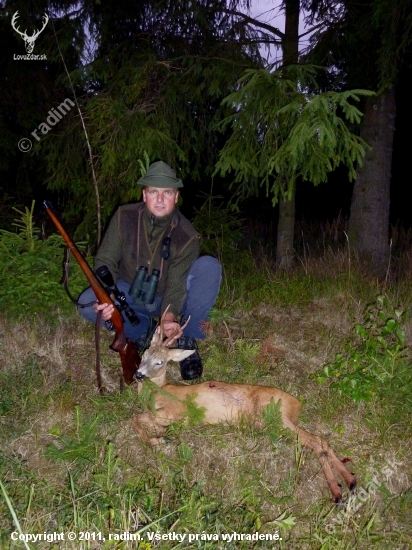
30 270
375 357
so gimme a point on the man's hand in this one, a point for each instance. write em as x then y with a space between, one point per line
171 328
106 309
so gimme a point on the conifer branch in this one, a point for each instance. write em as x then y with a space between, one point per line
280 132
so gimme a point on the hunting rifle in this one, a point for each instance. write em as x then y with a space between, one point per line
124 346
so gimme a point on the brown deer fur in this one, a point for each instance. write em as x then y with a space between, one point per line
224 402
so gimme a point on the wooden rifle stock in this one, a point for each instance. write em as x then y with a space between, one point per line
128 354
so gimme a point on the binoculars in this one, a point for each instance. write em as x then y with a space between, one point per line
106 277
144 286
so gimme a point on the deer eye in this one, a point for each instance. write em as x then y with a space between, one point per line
158 363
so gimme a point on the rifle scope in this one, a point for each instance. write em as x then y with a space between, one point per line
106 277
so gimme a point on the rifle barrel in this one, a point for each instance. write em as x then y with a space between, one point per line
100 292
129 356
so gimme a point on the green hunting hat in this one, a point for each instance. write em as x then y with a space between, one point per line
159 174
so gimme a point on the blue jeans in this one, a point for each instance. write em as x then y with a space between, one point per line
202 287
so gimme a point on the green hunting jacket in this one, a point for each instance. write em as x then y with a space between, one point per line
135 237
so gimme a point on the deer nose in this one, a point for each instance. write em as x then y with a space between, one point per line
139 376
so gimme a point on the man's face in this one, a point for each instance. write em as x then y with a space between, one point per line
160 202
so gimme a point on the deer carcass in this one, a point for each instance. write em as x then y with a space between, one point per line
223 402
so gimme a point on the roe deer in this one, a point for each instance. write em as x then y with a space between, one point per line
223 402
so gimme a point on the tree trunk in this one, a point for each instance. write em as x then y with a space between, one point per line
368 229
286 225
286 233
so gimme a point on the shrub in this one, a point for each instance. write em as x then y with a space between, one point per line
30 271
376 357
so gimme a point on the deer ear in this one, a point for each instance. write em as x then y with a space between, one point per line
156 338
179 354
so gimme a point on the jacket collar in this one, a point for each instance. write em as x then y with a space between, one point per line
158 221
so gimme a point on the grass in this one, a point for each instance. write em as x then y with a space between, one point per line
70 462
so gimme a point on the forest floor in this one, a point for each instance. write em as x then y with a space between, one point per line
72 466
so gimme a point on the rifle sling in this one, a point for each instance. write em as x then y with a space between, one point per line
65 281
97 341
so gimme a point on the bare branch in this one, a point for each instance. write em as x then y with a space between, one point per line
256 22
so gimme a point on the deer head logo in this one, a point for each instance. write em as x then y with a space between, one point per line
29 40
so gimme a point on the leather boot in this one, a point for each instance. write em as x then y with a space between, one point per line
191 367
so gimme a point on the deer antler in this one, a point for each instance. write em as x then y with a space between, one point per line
170 338
13 21
45 21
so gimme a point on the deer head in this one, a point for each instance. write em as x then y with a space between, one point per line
29 41
156 357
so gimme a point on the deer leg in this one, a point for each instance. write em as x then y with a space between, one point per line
338 465
327 458
146 426
290 410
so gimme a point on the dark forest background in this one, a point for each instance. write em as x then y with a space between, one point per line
224 97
